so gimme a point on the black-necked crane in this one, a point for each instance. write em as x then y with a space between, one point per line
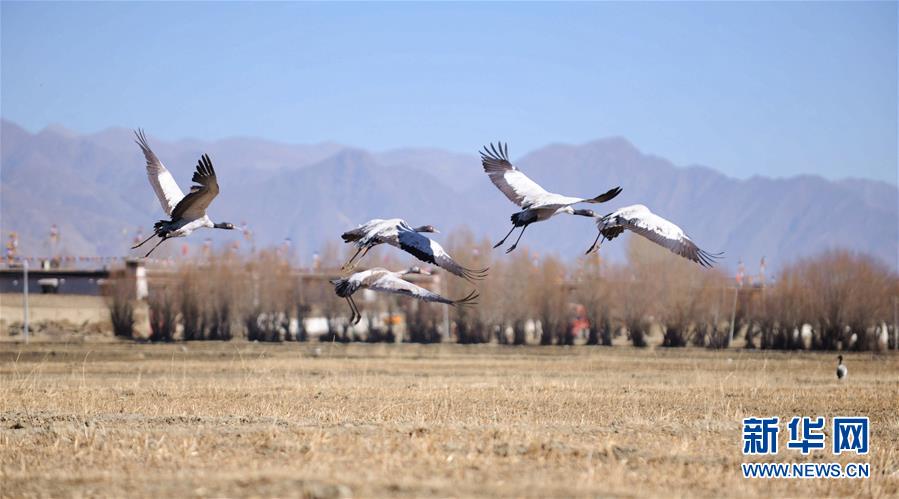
841 369
186 213
385 281
638 219
538 204
396 232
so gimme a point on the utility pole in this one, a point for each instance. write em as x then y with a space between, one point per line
446 324
25 298
733 317
718 305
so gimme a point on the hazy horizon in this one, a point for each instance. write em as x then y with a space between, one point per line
311 193
517 154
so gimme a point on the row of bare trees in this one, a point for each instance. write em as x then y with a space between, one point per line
835 300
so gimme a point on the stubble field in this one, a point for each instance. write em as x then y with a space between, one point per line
240 419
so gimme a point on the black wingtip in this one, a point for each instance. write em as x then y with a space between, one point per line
204 168
469 300
141 139
497 152
474 274
708 260
207 163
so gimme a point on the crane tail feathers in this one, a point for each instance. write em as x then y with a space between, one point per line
341 287
162 228
352 235
606 196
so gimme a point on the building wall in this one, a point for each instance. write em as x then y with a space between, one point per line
73 308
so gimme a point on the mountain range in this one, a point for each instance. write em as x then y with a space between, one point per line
93 187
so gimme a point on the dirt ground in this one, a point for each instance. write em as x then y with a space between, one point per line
308 420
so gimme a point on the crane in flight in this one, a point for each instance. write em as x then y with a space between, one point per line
186 213
385 281
396 232
638 219
537 204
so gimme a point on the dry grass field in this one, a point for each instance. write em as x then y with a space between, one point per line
239 419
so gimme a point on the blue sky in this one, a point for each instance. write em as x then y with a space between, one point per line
772 89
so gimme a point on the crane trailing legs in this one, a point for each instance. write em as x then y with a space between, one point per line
526 217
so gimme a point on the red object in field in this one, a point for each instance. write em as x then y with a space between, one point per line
580 324
185 249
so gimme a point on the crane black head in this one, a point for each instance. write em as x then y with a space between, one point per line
224 225
426 228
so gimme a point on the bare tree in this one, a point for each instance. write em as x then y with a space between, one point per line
163 314
549 300
593 293
472 325
119 295
844 297
516 278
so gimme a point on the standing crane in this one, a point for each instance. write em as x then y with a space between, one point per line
187 213
538 204
841 369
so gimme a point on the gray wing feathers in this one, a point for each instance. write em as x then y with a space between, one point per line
390 283
668 235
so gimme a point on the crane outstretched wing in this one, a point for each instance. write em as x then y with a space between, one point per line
517 186
662 232
556 201
523 191
430 251
194 205
161 179
391 283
